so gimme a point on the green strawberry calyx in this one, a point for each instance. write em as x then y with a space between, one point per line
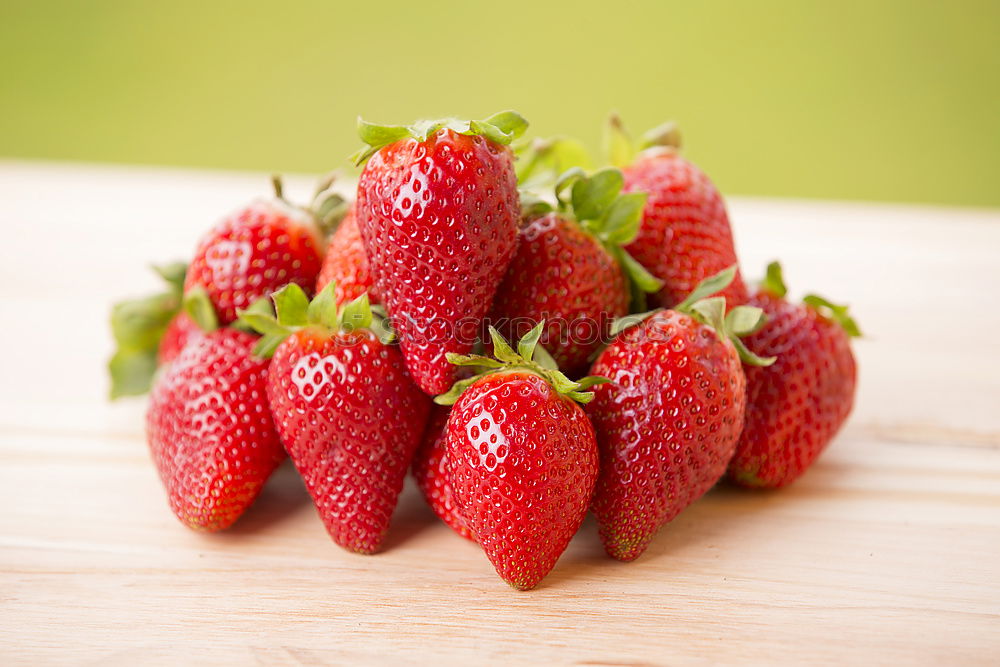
540 161
836 312
774 281
328 207
500 128
599 206
138 326
198 305
711 311
621 150
530 357
294 311
774 284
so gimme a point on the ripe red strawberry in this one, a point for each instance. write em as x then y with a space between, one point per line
148 332
796 406
521 458
438 211
685 235
210 430
347 412
346 264
431 473
668 423
571 271
255 251
177 334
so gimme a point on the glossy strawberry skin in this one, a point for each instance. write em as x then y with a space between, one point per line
254 252
180 330
562 275
210 429
797 405
431 473
439 219
346 264
350 419
522 461
667 425
685 235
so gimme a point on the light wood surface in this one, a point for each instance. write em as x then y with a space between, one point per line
886 552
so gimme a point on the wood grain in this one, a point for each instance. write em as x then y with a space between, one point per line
888 551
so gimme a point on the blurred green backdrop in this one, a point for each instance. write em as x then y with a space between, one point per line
889 100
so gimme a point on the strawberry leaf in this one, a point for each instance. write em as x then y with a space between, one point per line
491 132
711 311
748 357
526 346
198 306
261 306
501 350
509 360
451 396
511 123
544 359
501 128
745 320
592 381
355 315
774 281
623 323
291 305
138 326
621 221
636 272
173 274
542 161
131 371
835 312
708 287
618 146
591 196
666 135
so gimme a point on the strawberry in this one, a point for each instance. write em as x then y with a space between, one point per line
668 423
210 430
521 457
438 211
255 251
148 332
796 406
685 235
177 334
571 271
431 473
346 264
349 415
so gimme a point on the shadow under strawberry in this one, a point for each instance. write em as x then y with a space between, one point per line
282 497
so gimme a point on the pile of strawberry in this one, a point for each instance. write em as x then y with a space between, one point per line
364 339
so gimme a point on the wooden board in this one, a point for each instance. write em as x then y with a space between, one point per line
888 551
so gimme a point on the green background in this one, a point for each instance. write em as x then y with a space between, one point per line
857 100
